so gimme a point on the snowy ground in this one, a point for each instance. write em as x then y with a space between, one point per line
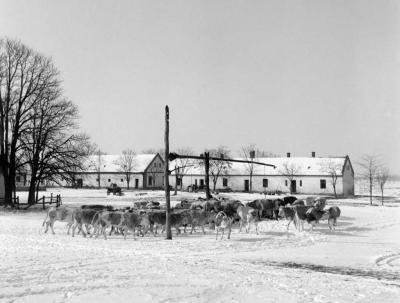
360 262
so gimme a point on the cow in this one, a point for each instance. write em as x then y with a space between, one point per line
288 213
313 215
247 215
289 200
63 214
222 222
85 217
177 219
135 220
228 207
332 214
265 205
300 215
298 202
199 218
319 203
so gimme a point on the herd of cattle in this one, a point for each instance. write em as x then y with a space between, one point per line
217 214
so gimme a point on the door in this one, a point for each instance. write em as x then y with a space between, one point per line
246 185
80 183
293 186
136 183
201 183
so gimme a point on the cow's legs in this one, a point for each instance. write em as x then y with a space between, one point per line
202 227
52 229
217 228
47 227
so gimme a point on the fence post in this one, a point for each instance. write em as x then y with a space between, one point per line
44 202
51 198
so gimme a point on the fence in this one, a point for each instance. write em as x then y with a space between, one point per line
50 200
14 201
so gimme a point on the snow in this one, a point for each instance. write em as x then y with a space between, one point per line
359 262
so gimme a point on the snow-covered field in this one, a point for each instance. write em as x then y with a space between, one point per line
359 262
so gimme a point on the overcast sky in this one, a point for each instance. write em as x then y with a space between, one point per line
296 76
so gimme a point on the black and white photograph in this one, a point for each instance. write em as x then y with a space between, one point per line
199 151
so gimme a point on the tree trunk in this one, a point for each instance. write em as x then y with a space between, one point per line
334 190
32 192
207 169
370 191
166 177
251 182
382 194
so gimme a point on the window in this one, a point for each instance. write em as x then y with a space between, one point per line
150 180
201 182
225 182
301 183
122 180
285 182
322 183
18 179
97 179
265 182
109 180
179 181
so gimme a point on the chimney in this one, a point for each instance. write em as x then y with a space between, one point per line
313 154
288 155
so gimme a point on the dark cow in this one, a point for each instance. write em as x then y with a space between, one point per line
289 200
300 215
299 202
332 213
98 207
313 215
270 207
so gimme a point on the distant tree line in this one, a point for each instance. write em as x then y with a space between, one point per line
38 125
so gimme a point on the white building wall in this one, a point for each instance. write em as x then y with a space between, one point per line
310 184
90 180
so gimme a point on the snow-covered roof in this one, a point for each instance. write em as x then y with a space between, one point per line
109 162
304 166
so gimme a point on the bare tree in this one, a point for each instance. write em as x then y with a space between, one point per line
126 164
182 166
369 165
49 145
97 162
382 177
289 171
217 167
333 169
25 78
249 152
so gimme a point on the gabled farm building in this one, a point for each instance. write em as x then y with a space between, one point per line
310 175
148 172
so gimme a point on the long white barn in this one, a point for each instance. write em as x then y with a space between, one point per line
310 175
148 172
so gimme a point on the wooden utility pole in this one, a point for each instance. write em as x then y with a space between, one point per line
207 174
166 174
